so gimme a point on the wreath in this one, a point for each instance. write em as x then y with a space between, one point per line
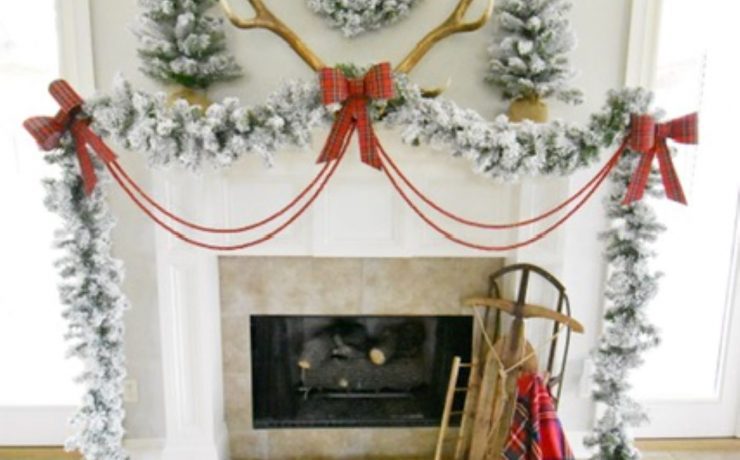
356 17
351 99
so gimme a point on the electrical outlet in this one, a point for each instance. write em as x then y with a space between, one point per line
130 391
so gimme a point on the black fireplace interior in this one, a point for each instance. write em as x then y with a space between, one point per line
354 371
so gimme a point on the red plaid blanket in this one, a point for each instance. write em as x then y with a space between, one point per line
536 432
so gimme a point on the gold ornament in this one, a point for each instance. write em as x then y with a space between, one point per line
192 96
528 108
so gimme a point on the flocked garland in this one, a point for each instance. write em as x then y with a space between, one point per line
183 134
90 291
628 332
356 17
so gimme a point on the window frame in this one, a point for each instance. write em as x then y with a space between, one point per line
49 425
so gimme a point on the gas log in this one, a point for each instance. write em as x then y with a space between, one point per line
315 351
398 341
342 339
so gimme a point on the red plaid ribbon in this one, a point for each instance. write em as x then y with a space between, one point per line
49 130
649 138
536 432
355 95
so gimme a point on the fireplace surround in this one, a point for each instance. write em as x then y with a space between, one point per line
358 252
312 288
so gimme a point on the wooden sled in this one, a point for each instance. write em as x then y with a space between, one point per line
491 390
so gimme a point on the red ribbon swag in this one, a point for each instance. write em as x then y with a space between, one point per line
645 136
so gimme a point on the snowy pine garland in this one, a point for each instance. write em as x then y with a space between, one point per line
355 17
179 43
184 134
94 306
503 150
530 57
628 333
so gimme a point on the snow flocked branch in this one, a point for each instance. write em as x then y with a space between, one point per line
184 134
94 304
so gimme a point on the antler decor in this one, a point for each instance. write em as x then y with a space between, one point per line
452 25
265 19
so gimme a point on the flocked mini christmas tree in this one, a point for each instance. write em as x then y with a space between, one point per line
179 43
530 57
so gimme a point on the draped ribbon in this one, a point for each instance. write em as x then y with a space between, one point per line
354 94
48 132
650 139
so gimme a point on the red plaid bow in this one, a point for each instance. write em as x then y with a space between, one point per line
649 138
355 95
49 130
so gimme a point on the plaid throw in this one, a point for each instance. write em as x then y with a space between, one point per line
649 138
536 433
49 130
354 94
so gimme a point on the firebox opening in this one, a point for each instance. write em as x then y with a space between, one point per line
354 371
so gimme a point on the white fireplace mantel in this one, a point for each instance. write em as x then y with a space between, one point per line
358 215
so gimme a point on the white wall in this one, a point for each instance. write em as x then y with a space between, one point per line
602 26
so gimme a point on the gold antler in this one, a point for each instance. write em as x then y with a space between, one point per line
452 25
264 19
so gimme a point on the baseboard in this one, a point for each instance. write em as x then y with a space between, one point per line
157 448
144 448
222 442
35 425
580 451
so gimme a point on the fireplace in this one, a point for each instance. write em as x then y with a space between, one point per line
271 306
353 371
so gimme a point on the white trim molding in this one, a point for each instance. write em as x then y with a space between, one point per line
642 47
190 327
35 425
188 278
144 448
75 44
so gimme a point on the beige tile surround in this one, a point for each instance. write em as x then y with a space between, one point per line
306 285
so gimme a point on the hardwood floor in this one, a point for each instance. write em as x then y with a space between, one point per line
36 453
658 449
690 449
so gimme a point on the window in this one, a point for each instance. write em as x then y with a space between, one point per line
693 374
32 348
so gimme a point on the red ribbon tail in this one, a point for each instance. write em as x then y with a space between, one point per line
336 143
101 149
671 182
85 138
87 168
368 141
638 183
